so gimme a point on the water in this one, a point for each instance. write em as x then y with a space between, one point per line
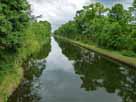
74 74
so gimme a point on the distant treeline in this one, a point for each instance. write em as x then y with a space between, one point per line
113 28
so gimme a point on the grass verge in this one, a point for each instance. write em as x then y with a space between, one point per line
117 56
11 78
11 71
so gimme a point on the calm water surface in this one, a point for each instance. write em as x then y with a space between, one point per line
73 74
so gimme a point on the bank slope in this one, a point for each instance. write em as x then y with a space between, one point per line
11 71
131 61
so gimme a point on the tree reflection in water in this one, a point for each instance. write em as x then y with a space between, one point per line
33 68
96 72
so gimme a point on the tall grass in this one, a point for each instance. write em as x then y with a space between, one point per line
11 71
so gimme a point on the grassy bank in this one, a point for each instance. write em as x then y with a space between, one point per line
11 71
131 61
10 81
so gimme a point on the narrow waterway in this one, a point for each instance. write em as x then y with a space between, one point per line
73 74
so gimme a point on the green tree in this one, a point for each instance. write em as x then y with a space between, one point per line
87 14
13 19
134 3
119 14
108 28
134 8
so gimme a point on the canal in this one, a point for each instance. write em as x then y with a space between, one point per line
63 72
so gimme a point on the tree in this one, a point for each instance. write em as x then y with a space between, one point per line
86 16
134 3
13 19
108 28
68 29
134 8
119 14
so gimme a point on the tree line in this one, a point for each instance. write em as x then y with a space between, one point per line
21 36
15 18
113 28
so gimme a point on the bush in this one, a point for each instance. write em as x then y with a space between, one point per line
128 53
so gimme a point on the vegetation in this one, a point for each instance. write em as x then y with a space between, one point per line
98 72
110 28
13 20
20 37
33 69
115 55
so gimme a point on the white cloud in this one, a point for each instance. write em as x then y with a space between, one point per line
58 12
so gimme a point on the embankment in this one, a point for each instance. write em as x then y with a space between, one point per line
11 71
117 56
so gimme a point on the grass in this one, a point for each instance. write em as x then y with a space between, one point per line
11 77
131 61
10 81
11 71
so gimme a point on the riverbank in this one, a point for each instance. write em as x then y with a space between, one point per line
11 71
108 53
10 81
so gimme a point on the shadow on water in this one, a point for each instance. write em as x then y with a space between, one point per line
74 74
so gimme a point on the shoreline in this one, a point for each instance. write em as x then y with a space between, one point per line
13 77
130 61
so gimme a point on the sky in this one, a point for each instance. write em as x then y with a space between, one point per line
58 12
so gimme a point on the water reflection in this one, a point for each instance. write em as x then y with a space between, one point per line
98 72
74 74
33 68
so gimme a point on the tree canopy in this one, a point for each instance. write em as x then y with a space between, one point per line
106 27
13 19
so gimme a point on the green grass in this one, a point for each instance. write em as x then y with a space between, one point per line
10 81
108 53
11 71
128 53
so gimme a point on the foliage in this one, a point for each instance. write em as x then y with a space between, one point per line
98 72
69 29
33 39
19 38
134 3
108 28
13 20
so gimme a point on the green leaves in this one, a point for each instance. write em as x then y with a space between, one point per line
134 3
69 29
119 14
13 19
108 28
5 27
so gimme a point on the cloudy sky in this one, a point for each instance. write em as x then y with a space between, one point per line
58 12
